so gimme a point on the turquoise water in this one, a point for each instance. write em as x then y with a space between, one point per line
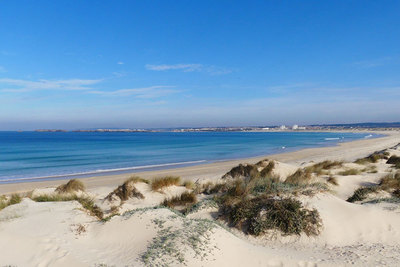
31 155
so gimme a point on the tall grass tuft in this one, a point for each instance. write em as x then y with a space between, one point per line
13 199
160 183
243 171
301 176
127 189
71 187
187 198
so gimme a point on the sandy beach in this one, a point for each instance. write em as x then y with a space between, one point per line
112 221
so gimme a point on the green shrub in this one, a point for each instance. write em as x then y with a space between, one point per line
160 183
258 215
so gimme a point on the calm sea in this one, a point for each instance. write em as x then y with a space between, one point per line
29 155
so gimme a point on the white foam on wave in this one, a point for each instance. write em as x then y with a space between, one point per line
104 171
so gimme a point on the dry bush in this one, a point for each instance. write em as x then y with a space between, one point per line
243 171
349 172
71 187
187 198
160 183
258 215
127 190
301 176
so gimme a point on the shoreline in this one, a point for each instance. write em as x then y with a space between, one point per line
214 170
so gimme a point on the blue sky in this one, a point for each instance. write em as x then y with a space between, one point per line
85 64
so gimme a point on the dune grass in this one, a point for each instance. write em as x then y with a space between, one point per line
390 182
258 215
127 189
160 183
86 202
361 193
71 186
395 160
332 180
188 184
243 171
301 176
185 199
349 172
323 167
267 170
373 158
7 201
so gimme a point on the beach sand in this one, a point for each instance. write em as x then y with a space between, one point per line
64 234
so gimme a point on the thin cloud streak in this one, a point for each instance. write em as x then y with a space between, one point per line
26 85
210 69
145 92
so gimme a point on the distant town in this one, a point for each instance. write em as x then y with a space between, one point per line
295 127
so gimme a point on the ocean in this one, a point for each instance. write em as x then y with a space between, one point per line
26 156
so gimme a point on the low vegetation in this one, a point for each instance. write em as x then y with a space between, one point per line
267 170
188 184
301 176
160 183
395 161
373 158
243 171
86 202
349 172
389 183
11 200
361 193
332 180
127 189
71 187
258 215
323 167
185 199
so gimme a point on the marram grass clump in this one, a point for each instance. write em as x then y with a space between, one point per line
373 158
160 183
71 187
127 189
7 201
259 215
185 199
243 171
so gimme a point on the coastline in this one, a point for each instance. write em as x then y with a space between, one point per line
342 151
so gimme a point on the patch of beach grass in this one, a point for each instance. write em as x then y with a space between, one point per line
185 199
373 158
323 167
301 176
71 186
267 170
188 184
362 193
127 189
160 183
332 180
258 215
243 171
11 200
349 172
86 202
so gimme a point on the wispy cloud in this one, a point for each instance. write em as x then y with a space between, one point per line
18 85
213 70
120 63
184 67
375 62
145 92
